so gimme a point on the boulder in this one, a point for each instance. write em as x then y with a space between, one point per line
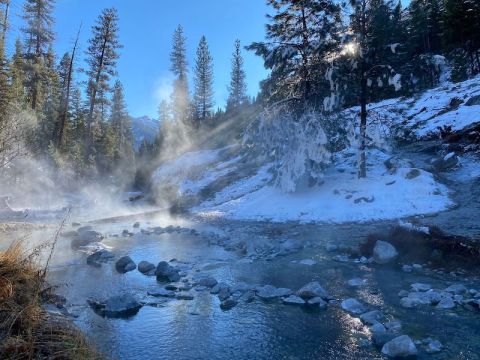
446 303
146 268
125 264
380 335
136 225
420 287
457 289
166 273
270 292
372 317
184 295
432 346
353 306
294 300
117 306
317 301
356 282
228 304
97 258
311 290
86 237
204 280
400 347
162 293
384 252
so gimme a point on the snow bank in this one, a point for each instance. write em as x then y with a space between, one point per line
342 197
422 116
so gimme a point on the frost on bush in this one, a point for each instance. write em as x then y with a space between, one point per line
300 147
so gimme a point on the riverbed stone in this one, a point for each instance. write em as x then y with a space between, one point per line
161 293
311 290
420 287
446 303
86 237
228 304
97 258
117 306
457 289
204 280
166 273
372 317
184 295
380 335
353 306
125 264
400 347
318 302
146 268
384 252
270 292
356 282
293 300
432 346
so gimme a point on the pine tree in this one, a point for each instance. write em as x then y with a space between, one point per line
203 79
102 55
4 10
17 68
180 95
121 126
299 37
39 37
5 91
237 90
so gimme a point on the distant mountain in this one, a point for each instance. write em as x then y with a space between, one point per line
144 128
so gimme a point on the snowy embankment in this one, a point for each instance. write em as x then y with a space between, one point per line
393 189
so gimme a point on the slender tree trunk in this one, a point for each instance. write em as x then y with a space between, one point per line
88 132
63 116
36 77
362 163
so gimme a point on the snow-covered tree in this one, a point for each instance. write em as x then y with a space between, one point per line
299 147
300 36
203 79
237 90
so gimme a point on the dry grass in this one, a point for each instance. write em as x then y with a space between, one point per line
27 331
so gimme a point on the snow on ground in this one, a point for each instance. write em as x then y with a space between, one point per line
341 198
423 115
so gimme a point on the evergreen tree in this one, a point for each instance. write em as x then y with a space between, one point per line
4 86
17 69
180 95
121 127
237 90
38 39
300 35
4 10
102 55
203 79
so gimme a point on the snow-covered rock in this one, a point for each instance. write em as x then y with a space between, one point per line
384 252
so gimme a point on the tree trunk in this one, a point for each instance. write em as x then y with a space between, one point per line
63 116
362 166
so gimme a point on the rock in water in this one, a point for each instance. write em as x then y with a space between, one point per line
166 273
372 317
86 237
270 292
311 290
204 280
294 300
353 306
117 306
228 304
384 252
400 347
146 268
317 301
125 264
97 258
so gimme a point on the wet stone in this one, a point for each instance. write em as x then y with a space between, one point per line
372 317
146 268
318 302
400 347
311 290
228 304
353 306
125 264
293 300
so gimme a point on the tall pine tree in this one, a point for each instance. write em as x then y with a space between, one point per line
237 90
38 40
180 95
102 55
203 80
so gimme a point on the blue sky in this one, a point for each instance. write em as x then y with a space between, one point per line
146 28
